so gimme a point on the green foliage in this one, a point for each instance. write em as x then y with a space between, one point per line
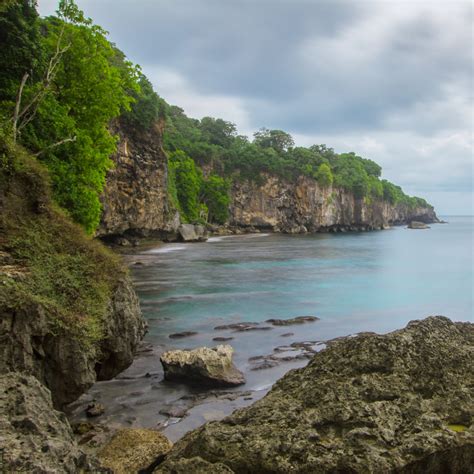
279 140
21 50
215 195
62 270
324 175
187 182
82 98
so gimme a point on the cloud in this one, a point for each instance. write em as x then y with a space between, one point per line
391 80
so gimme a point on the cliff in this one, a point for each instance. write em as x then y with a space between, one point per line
401 403
304 206
135 200
68 312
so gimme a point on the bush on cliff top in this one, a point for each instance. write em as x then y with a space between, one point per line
45 259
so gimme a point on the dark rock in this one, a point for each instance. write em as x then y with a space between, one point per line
235 326
34 436
400 402
222 338
95 409
180 335
287 334
209 366
288 322
174 412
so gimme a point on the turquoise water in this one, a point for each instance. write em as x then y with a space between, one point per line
371 281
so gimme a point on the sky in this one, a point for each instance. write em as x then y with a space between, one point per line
390 80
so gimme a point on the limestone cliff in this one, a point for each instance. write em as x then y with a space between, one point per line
399 403
135 200
279 205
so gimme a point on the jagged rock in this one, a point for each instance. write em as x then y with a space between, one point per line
418 225
34 437
192 233
135 200
288 322
131 450
95 409
210 366
401 402
60 361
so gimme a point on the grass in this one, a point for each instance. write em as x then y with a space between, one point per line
57 266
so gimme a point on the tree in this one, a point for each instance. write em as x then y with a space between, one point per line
324 175
188 182
215 195
218 131
279 140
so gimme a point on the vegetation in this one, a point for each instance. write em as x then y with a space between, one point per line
45 259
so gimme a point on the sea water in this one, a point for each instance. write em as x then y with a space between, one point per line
368 281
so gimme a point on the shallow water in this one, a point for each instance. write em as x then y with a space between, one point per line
371 281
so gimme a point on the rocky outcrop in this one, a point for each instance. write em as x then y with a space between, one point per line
33 436
204 366
305 206
192 233
131 450
401 402
60 360
418 225
135 199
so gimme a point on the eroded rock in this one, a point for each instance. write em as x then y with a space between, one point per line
290 321
418 225
34 437
204 365
372 403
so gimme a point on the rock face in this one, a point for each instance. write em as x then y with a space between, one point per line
131 450
401 402
305 206
192 233
135 200
203 365
33 436
61 362
418 225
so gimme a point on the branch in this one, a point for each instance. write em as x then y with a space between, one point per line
18 104
54 145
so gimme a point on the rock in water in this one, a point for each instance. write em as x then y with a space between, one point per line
33 436
192 233
204 365
131 450
418 225
401 402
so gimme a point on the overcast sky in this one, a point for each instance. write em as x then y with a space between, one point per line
390 80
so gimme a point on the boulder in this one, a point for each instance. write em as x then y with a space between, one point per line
204 365
192 233
418 225
34 437
131 450
400 402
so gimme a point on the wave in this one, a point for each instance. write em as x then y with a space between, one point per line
166 249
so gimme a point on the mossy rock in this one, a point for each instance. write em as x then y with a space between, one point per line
131 450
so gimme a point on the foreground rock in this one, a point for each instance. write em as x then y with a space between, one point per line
33 436
401 402
209 366
131 450
418 225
